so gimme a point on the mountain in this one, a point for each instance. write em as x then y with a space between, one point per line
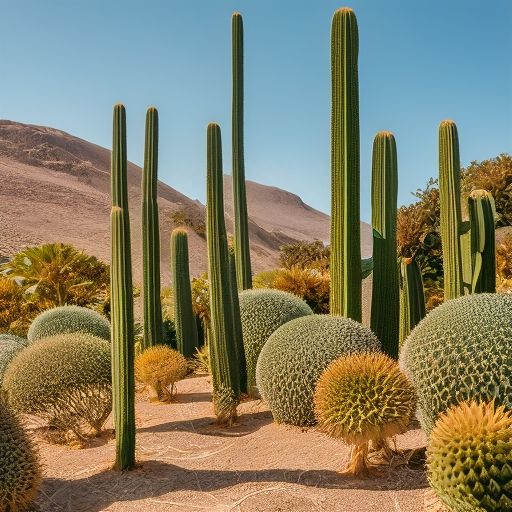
55 187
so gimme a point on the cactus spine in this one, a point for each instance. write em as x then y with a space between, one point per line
345 229
151 235
385 310
451 216
483 241
123 380
242 249
184 319
412 297
222 345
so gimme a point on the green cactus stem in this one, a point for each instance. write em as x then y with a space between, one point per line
412 297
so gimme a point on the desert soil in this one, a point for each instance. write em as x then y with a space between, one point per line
187 463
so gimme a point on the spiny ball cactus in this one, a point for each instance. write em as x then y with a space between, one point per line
20 477
469 458
10 345
295 356
160 367
262 311
65 379
66 319
461 351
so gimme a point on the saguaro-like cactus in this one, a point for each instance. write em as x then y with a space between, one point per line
483 241
385 310
223 351
451 216
345 229
412 297
151 235
242 249
184 319
121 298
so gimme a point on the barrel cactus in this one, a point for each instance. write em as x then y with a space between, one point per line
461 351
262 311
469 458
10 346
296 354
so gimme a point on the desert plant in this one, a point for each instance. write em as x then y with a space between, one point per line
160 367
385 311
459 352
223 349
201 301
469 458
201 360
151 235
305 254
10 346
361 398
67 319
345 263
296 354
65 380
262 312
16 309
20 478
504 263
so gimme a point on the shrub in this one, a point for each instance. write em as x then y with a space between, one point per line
469 458
20 477
10 345
461 351
160 367
16 312
68 319
262 312
295 356
65 380
362 398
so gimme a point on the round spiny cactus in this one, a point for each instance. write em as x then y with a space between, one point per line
160 367
10 345
469 458
20 476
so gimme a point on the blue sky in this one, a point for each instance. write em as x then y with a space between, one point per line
66 62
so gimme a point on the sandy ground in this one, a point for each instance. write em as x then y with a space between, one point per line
189 464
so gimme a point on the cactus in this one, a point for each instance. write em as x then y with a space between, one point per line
412 297
123 379
242 249
483 241
184 319
151 235
345 229
385 312
222 344
451 216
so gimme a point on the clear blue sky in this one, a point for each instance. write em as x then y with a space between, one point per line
64 63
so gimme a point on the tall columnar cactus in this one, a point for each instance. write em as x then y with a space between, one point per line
151 235
121 298
345 229
184 319
222 344
412 297
451 216
242 249
483 241
385 310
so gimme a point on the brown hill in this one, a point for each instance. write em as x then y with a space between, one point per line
55 187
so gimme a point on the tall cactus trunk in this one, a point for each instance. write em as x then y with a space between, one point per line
385 312
123 379
151 235
412 297
242 248
184 319
345 228
222 345
483 241
451 216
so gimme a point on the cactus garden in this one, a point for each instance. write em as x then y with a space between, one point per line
244 351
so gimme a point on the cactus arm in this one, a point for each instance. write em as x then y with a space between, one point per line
412 297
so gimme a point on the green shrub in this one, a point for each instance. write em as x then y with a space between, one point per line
295 356
65 380
461 351
262 312
20 477
10 345
68 319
